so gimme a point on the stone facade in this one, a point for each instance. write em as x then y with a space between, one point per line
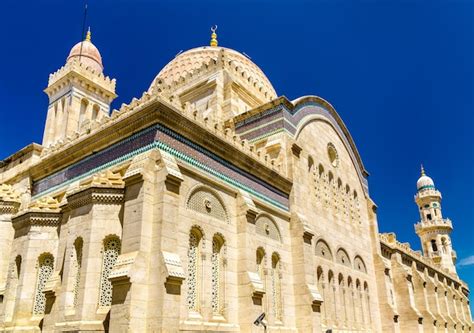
203 204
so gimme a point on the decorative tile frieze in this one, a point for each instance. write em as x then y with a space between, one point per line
180 148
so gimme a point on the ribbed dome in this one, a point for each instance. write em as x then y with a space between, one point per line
89 55
191 60
424 181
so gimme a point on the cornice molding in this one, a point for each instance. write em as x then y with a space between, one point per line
34 217
95 195
9 207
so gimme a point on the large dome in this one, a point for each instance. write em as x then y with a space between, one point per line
191 60
87 53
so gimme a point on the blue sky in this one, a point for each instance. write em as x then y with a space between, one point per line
400 74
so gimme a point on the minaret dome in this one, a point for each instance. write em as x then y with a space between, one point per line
87 53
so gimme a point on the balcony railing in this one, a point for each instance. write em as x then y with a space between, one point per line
443 223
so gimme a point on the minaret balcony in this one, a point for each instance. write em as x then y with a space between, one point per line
434 224
428 193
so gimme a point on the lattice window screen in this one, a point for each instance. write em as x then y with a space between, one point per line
193 272
111 253
77 267
216 277
45 269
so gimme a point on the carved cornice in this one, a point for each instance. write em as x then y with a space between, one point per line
34 217
95 195
9 207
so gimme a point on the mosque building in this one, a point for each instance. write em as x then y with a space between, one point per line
209 204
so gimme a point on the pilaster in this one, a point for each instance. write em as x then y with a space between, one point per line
95 212
36 234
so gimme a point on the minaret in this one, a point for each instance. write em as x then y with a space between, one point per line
433 229
79 94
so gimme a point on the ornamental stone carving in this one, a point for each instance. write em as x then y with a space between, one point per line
9 199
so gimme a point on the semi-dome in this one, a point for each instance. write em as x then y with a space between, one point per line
193 59
424 182
86 53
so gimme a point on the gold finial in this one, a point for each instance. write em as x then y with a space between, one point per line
214 36
423 171
88 35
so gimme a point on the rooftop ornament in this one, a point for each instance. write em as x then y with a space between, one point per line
214 36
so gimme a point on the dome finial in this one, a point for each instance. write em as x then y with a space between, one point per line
423 171
88 35
214 36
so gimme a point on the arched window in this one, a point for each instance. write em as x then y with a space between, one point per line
276 287
347 200
194 270
444 245
331 299
342 297
111 252
310 163
339 195
434 247
18 266
322 290
77 264
45 269
82 112
356 207
95 112
332 190
350 301
218 275
367 302
260 262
